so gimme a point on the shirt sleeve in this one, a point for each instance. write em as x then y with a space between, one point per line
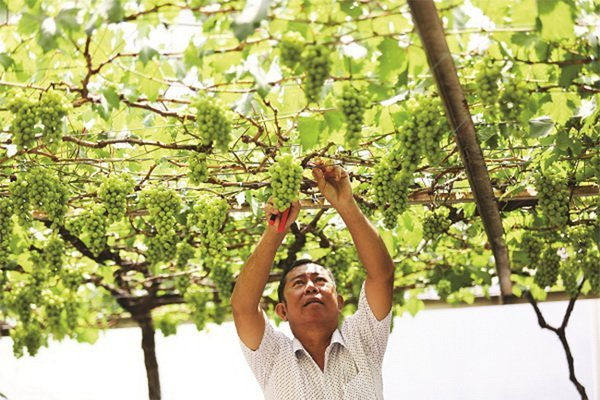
364 327
262 359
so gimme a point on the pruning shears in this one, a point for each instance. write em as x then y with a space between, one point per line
282 220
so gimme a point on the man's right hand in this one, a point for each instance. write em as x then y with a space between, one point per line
272 212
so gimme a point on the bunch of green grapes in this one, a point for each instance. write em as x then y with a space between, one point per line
6 227
23 124
512 99
162 247
568 273
443 288
182 283
436 223
39 189
390 188
290 47
581 238
96 225
51 110
548 268
553 195
53 309
197 299
339 260
208 217
213 122
76 224
424 131
591 269
486 82
532 245
198 170
163 205
21 300
222 277
113 193
352 104
185 252
317 64
286 177
71 278
28 336
54 253
72 307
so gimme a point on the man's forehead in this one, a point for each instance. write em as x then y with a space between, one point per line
308 269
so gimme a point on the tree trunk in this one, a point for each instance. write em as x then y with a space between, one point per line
144 320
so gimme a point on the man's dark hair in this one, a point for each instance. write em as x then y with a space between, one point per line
287 270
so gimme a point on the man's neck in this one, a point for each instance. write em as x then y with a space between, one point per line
315 341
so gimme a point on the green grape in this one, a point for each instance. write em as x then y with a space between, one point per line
54 253
352 105
286 177
568 274
96 225
76 224
23 124
196 300
290 47
162 247
553 196
512 99
213 122
29 336
581 237
391 189
163 206
591 270
198 170
39 189
443 288
182 283
113 193
487 82
71 278
53 308
436 223
423 133
532 245
208 217
317 64
6 227
51 110
222 277
72 309
185 252
548 268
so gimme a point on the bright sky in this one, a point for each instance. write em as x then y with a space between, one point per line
491 353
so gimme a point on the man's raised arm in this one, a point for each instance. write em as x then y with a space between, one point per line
245 299
334 184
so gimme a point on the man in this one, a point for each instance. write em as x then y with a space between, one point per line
322 361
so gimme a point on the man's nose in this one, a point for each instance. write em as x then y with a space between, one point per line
310 287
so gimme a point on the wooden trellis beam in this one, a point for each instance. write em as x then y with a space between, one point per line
432 35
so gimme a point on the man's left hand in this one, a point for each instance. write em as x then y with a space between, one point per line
334 184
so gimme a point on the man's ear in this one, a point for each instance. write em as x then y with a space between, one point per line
340 302
281 310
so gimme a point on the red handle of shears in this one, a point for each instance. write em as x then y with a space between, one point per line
283 220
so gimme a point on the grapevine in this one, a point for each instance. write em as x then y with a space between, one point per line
213 123
286 176
352 104
290 46
317 64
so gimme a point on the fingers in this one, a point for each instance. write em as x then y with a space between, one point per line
319 177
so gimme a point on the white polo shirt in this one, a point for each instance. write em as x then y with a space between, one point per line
353 359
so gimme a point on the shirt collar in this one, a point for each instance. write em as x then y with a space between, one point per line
335 338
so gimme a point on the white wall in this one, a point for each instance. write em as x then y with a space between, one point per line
491 353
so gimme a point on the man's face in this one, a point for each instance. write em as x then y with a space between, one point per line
310 296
